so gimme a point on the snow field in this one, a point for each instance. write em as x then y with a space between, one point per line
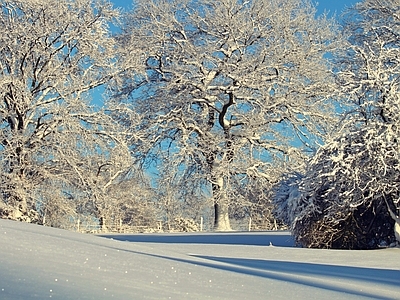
38 262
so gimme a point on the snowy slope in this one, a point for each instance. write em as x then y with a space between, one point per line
39 262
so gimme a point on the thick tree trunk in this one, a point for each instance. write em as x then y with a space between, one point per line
221 219
221 204
221 207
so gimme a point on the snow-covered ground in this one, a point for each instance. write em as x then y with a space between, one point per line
39 262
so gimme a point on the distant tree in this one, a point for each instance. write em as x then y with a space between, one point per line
349 195
234 92
181 200
57 150
130 202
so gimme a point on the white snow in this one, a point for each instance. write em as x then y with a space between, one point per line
38 262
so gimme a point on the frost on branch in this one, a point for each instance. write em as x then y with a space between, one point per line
285 197
59 155
231 88
185 225
349 195
341 200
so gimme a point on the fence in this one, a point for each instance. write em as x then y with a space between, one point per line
177 225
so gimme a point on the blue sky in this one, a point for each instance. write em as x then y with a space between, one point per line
333 6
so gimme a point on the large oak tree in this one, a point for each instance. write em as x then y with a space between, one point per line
236 93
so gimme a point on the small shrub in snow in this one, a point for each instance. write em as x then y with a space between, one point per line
185 225
12 213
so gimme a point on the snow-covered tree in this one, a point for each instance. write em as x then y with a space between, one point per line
342 200
56 149
235 91
349 196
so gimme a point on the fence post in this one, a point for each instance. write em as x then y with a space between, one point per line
201 223
79 221
250 224
160 225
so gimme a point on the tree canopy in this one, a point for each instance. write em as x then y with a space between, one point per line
235 91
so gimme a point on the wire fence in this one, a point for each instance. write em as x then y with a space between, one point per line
177 225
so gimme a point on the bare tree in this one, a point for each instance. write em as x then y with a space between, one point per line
349 196
55 147
235 92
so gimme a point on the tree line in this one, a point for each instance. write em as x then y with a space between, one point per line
228 109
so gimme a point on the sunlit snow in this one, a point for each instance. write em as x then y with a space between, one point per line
38 262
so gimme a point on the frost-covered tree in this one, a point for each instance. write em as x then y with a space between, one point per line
235 91
349 196
56 149
129 202
342 200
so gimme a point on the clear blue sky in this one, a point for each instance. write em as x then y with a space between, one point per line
333 6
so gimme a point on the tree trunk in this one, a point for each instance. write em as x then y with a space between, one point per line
221 216
396 224
397 231
221 207
102 223
221 204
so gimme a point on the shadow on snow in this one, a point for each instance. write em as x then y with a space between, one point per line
321 276
381 276
276 238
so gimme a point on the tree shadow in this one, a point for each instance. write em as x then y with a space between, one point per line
307 273
381 276
318 276
276 238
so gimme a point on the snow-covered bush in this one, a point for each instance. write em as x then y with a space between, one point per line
343 198
185 225
348 196
12 213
